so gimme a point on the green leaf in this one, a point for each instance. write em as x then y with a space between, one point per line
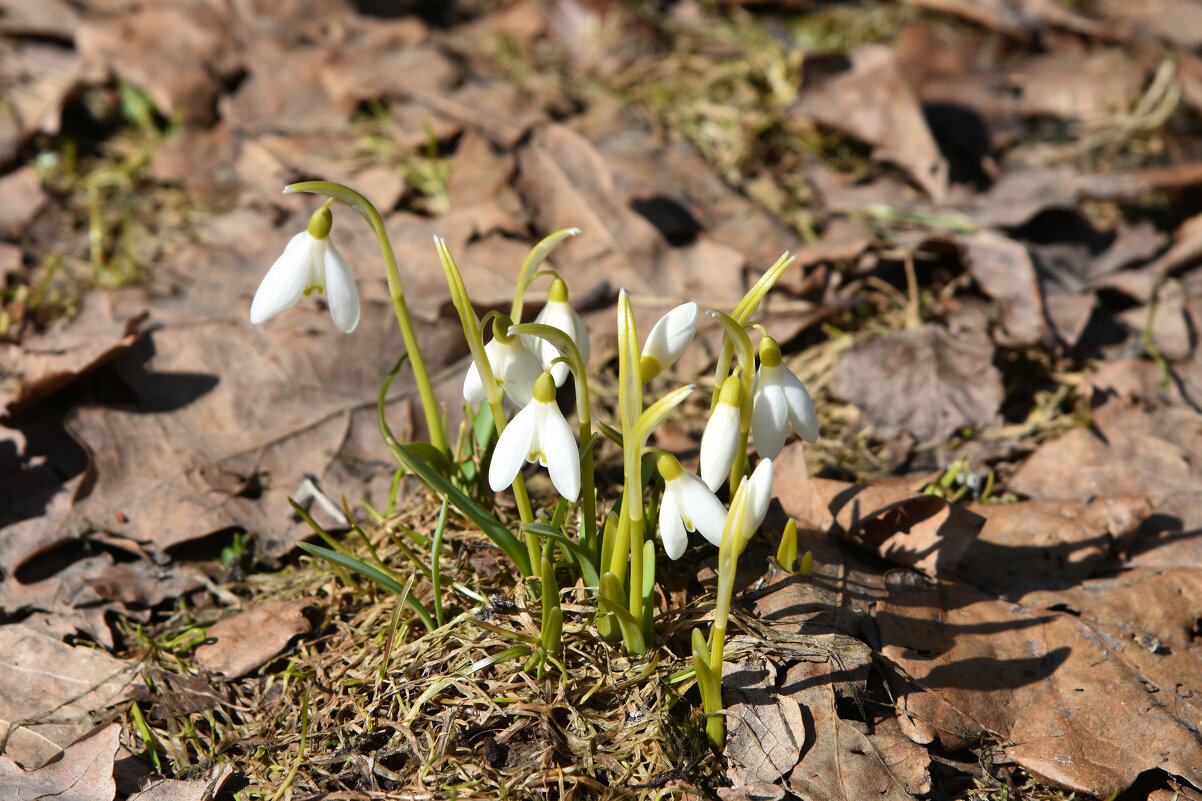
492 528
508 655
591 577
375 574
612 599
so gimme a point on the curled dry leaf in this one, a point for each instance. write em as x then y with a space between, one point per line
927 381
889 518
864 95
84 773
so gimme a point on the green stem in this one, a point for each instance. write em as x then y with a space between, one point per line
425 388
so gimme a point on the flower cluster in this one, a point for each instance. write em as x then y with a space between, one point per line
524 365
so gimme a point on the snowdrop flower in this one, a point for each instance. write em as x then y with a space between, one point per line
539 433
310 263
720 440
558 313
780 399
514 367
759 494
687 503
668 339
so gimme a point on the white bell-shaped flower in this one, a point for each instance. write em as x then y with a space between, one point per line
514 367
539 433
780 399
310 263
558 313
687 504
720 440
669 338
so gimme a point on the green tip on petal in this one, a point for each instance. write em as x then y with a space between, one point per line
732 390
669 467
559 291
544 388
500 328
769 352
321 222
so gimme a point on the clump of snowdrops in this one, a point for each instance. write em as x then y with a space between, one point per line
510 391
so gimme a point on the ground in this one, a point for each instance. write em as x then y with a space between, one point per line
995 303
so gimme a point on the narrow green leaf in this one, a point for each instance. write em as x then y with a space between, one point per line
375 574
492 528
612 599
589 571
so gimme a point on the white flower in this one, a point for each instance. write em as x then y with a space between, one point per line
687 503
558 313
539 433
720 440
513 366
759 494
310 263
668 339
780 399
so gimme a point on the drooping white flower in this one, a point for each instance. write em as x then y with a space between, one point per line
720 440
780 399
513 366
668 339
539 433
558 313
310 263
687 504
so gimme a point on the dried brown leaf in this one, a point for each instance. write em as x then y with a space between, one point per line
21 199
84 773
46 362
864 95
928 381
203 789
54 687
194 36
1046 544
245 642
1003 269
765 731
841 762
1059 691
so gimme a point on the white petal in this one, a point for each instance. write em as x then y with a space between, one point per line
759 495
341 292
671 529
555 447
517 369
672 334
769 419
562 316
473 387
802 414
285 282
512 448
700 508
719 443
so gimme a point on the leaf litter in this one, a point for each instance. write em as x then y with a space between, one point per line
998 315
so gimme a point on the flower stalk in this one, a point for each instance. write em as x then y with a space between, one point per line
396 291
